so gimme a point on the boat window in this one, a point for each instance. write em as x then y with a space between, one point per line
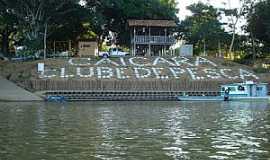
241 88
259 88
223 88
232 89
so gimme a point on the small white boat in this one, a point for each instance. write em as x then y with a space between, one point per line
200 98
247 91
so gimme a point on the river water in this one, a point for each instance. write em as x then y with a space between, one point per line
135 130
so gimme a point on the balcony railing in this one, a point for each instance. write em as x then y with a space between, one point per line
154 40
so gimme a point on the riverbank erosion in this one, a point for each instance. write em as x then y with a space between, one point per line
129 74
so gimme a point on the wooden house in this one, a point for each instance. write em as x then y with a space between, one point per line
151 37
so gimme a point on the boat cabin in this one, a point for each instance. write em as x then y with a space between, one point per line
247 89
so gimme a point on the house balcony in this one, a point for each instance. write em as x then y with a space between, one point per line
154 40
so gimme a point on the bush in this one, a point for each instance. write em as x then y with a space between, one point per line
228 63
261 70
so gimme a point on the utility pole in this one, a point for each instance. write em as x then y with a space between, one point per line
45 41
204 48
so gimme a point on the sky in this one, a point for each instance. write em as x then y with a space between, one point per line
182 4
183 12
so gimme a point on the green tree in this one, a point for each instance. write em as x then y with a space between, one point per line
8 26
234 16
112 15
39 18
258 27
203 29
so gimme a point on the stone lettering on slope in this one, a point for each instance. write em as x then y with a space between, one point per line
212 73
158 73
201 61
105 72
90 72
160 60
120 73
244 74
177 72
106 61
193 73
179 61
141 73
132 61
80 61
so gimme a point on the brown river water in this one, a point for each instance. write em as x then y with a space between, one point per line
135 130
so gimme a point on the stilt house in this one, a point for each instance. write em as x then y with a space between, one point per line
151 37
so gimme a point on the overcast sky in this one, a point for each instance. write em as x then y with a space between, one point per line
182 4
183 12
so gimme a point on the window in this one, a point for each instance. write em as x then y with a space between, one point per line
241 88
232 89
259 88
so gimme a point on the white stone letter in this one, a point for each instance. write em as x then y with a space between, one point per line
181 61
49 73
160 60
193 73
63 74
223 73
177 72
244 73
104 72
106 61
131 61
201 60
90 74
212 73
158 73
120 72
139 75
122 60
80 61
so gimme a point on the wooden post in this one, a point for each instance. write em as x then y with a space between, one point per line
69 45
54 48
219 49
166 40
45 41
134 42
131 46
204 48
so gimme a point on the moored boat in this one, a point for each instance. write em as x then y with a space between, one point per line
55 98
200 98
247 91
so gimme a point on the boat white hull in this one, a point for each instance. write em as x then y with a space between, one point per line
200 98
220 98
250 98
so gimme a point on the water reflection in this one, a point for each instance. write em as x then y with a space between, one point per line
135 130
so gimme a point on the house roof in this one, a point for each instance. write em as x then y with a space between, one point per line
152 23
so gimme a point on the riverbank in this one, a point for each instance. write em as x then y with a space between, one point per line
198 74
10 92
